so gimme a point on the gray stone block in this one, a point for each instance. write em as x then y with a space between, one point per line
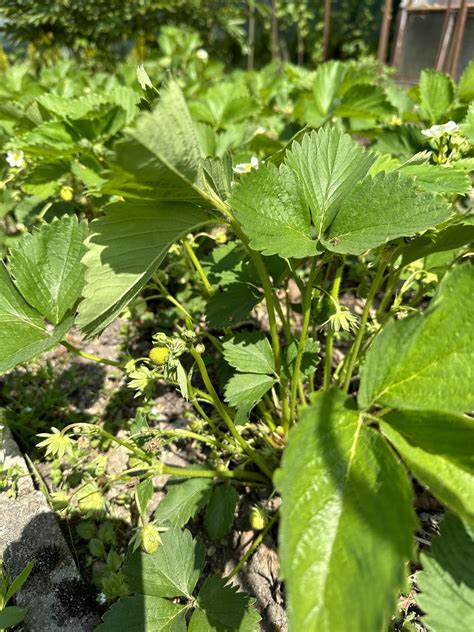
56 597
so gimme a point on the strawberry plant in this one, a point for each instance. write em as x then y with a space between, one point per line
353 377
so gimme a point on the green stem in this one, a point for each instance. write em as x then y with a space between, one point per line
226 417
199 269
391 284
284 322
140 454
89 356
354 351
267 291
187 433
270 303
330 337
255 544
230 474
304 333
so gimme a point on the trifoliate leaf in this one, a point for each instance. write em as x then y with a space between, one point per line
221 607
172 571
272 211
220 511
250 352
437 447
47 269
426 362
244 390
328 164
346 520
447 579
142 612
381 209
183 500
124 250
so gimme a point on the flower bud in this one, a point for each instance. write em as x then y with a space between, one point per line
150 538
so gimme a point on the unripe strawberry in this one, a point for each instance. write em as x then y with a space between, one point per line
258 518
150 538
159 355
66 193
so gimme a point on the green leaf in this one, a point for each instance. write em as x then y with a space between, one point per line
418 363
438 179
450 238
19 580
310 360
232 304
162 151
437 447
328 164
144 494
124 250
183 500
346 520
46 266
447 579
467 126
273 213
250 352
327 83
172 571
244 390
223 608
366 102
220 511
436 94
23 333
12 615
380 209
45 178
142 612
466 83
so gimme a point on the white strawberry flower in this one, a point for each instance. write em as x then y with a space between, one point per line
436 131
202 54
15 158
246 167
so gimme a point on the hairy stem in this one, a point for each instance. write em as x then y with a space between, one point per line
256 458
89 356
304 334
199 269
330 337
255 544
230 474
354 351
